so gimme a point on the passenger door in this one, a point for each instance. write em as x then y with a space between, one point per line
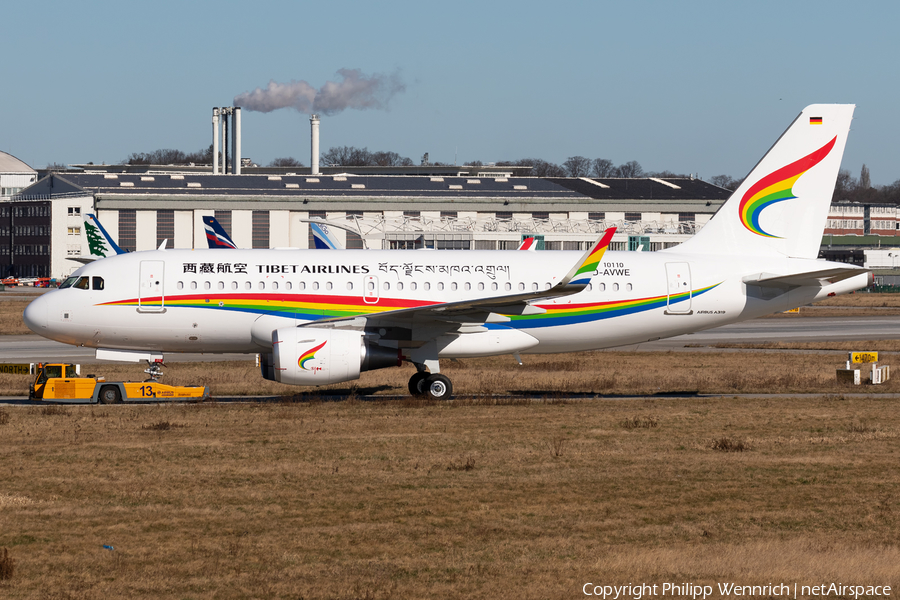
678 277
151 296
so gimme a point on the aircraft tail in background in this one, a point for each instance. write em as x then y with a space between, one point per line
781 208
215 234
100 243
323 238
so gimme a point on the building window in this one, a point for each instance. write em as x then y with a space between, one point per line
74 211
354 241
596 216
540 215
127 230
260 229
507 216
224 219
74 231
686 217
165 226
411 213
633 217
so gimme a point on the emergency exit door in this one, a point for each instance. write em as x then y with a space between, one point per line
678 277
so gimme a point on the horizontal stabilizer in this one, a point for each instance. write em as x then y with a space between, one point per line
819 278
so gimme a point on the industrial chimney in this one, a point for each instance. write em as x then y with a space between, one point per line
236 140
215 144
314 158
220 125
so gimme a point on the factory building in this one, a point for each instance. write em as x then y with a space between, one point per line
481 210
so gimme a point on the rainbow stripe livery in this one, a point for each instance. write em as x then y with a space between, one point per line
777 187
308 356
584 273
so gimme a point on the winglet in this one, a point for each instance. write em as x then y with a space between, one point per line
581 273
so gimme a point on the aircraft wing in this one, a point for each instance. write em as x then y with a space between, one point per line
483 310
820 278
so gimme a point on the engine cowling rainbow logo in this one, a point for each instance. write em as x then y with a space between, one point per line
777 187
309 355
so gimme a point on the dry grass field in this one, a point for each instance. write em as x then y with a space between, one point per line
592 373
467 499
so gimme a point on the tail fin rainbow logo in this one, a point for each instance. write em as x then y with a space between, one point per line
308 356
777 187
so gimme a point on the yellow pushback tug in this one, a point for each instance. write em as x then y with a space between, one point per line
61 382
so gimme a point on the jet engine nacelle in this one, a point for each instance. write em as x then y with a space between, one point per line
309 356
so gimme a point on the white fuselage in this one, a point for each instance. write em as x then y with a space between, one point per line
219 301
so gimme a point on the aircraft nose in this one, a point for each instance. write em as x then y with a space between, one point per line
35 315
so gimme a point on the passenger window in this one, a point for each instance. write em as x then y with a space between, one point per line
453 286
427 286
328 285
248 285
602 287
386 285
349 285
399 285
262 285
274 285
302 285
468 286
547 286
221 285
207 285
480 286
628 287
193 285
494 286
508 286
412 286
521 286
589 287
180 285
440 286
371 285
234 285
288 285
615 287
534 287
315 285
97 283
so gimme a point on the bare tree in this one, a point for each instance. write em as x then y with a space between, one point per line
725 181
287 161
577 166
631 169
602 167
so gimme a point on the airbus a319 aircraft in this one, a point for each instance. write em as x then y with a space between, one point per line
323 317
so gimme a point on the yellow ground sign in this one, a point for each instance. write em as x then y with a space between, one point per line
794 310
863 357
12 369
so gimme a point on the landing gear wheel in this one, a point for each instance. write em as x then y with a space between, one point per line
438 387
417 383
109 394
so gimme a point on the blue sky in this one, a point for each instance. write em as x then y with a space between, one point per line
692 87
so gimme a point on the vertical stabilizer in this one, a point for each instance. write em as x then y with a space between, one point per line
780 209
99 241
216 237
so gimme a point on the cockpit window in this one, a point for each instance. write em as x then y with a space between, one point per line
68 282
97 283
83 283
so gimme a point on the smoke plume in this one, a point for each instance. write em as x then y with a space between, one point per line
355 90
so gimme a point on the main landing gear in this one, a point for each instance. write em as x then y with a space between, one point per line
433 385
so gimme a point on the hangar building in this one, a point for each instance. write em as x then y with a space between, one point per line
459 211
